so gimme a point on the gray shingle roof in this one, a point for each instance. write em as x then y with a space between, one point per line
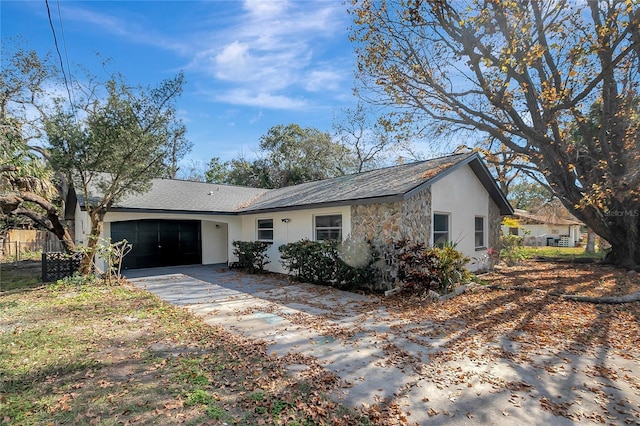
386 183
186 196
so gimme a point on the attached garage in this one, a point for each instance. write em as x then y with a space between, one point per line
160 242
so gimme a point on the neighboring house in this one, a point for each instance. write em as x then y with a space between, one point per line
452 198
546 230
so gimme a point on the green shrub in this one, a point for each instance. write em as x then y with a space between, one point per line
513 251
354 265
252 256
357 265
301 259
450 268
346 265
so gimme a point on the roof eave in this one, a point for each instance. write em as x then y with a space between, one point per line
148 210
341 203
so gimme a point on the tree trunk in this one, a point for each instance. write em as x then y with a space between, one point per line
613 219
624 237
591 241
14 204
627 298
97 222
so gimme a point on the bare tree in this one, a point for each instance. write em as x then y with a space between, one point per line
369 144
528 74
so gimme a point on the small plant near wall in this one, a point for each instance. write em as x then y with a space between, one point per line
450 268
252 255
513 251
416 265
112 254
424 268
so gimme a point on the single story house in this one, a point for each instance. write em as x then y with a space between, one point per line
546 229
452 198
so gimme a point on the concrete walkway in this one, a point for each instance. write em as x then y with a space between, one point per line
381 361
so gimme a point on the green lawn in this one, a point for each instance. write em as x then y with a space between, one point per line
22 274
82 352
561 252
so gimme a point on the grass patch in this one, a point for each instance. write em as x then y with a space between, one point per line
198 397
20 275
561 252
83 352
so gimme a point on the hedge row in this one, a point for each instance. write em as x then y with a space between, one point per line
358 265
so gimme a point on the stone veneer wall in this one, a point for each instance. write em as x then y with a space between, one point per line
384 223
388 222
494 229
380 223
416 217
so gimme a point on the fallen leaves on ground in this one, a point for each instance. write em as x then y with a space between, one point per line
138 359
532 328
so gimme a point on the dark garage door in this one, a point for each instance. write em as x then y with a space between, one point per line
159 242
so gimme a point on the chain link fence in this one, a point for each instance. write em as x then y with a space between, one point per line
16 251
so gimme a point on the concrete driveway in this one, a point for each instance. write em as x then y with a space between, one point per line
379 361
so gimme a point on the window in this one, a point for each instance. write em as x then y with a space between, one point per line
329 227
513 231
265 229
440 229
480 232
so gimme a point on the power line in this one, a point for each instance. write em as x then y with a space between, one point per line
55 42
66 55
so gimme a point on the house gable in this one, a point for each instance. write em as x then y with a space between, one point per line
460 199
482 173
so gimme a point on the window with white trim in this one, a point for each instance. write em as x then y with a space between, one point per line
479 232
440 229
328 227
265 229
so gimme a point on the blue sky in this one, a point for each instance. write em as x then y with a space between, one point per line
249 65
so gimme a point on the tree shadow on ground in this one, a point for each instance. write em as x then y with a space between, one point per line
576 357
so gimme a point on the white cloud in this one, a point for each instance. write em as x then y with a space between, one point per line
319 80
133 30
264 9
272 49
260 99
232 61
267 51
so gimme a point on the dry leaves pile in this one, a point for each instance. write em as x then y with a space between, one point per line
524 323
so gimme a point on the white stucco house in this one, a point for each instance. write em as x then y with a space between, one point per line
451 198
545 230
